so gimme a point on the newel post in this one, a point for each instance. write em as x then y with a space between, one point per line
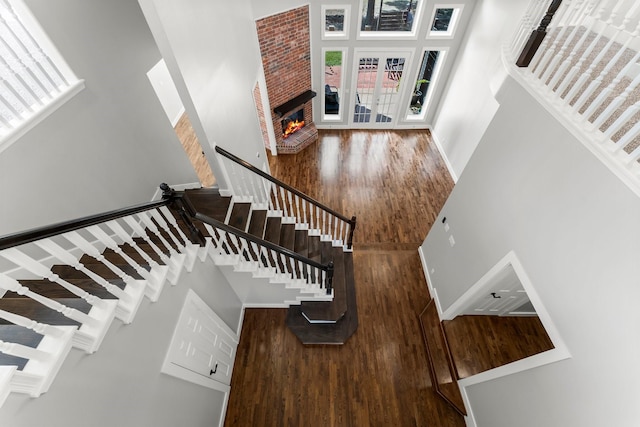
185 209
352 227
536 37
329 281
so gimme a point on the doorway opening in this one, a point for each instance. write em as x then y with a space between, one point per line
170 100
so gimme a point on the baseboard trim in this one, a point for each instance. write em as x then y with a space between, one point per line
432 290
452 172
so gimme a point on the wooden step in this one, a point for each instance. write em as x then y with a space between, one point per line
257 223
330 311
239 216
328 333
19 335
272 230
209 202
287 236
33 310
53 290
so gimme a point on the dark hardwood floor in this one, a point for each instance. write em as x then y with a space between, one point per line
395 182
480 343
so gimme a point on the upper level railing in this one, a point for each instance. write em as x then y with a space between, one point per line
586 69
251 184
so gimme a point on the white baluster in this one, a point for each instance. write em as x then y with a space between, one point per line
19 350
628 137
146 219
35 267
166 212
41 328
159 219
284 202
9 284
622 121
64 256
575 87
615 104
305 219
115 247
140 231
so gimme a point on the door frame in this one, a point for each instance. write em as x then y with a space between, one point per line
402 90
558 353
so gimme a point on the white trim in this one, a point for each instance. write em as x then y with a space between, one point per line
266 109
452 172
265 305
391 35
40 114
558 353
453 23
600 149
178 116
435 77
337 35
432 291
341 89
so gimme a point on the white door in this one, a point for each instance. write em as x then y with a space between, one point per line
503 298
202 345
377 88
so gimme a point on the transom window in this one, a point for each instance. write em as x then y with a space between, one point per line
389 18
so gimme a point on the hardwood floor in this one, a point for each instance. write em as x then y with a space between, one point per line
192 147
480 343
395 182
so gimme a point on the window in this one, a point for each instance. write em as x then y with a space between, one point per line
389 18
336 22
333 83
428 72
36 80
444 20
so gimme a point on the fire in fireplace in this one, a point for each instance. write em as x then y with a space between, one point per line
292 123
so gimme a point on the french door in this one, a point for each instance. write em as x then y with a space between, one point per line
378 88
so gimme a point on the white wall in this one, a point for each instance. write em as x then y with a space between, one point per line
531 187
84 158
121 384
468 103
168 95
212 53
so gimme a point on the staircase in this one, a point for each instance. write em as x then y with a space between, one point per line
64 285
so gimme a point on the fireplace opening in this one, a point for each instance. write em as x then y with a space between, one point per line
293 123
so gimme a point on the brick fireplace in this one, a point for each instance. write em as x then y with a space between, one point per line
286 59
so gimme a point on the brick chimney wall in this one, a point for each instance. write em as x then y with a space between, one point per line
286 58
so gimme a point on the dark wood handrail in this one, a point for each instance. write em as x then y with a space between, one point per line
28 236
281 184
221 225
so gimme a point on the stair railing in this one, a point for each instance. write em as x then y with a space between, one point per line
586 70
250 184
72 243
255 254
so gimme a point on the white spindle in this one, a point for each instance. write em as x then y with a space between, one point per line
174 223
628 137
22 260
19 350
10 284
145 217
616 103
159 219
86 246
64 256
41 328
140 231
115 247
622 121
305 219
285 207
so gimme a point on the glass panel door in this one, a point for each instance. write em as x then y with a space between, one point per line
378 88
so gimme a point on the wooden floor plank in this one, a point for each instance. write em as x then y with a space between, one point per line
395 182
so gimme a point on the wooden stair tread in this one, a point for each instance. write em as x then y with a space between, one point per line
19 335
35 311
257 223
239 215
209 202
301 243
328 333
330 311
68 272
53 290
287 236
272 230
